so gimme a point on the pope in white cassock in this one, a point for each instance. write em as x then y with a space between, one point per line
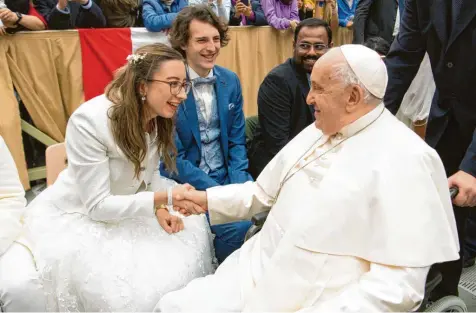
359 209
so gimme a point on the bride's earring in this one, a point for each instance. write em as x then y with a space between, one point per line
143 98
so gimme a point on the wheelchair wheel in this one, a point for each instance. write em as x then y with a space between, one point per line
448 304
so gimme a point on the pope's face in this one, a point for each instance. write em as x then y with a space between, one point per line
328 98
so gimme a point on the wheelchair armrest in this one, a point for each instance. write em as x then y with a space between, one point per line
260 218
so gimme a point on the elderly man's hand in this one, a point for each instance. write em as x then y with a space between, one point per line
466 184
3 30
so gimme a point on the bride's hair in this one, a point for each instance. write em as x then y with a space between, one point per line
128 115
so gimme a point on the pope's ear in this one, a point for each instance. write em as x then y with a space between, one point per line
356 96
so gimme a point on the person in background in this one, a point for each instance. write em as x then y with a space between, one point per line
306 9
346 9
65 14
159 15
210 129
281 14
221 8
282 109
122 13
379 45
416 103
445 30
247 12
327 10
21 288
20 15
377 18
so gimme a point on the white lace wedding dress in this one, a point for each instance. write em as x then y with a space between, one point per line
95 239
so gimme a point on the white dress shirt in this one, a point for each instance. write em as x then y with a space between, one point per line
203 94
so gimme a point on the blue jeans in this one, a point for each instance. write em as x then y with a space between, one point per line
228 237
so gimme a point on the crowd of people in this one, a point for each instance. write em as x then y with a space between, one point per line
153 208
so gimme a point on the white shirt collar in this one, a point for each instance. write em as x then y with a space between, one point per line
362 122
192 74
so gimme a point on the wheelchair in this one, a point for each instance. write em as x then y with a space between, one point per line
434 278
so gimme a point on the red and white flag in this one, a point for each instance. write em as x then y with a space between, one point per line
105 50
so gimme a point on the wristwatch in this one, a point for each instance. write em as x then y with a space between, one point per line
20 16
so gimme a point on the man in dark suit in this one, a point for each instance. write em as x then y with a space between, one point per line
65 14
446 30
282 108
376 18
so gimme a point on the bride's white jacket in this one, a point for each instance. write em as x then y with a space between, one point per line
12 199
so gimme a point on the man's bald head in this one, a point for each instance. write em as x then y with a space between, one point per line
346 83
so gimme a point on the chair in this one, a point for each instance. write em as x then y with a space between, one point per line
56 162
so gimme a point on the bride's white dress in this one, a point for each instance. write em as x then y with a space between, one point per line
95 239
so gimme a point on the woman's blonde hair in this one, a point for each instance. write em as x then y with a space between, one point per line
128 112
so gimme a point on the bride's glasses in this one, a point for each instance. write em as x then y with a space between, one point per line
175 86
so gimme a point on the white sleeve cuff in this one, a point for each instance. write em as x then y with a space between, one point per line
65 11
88 5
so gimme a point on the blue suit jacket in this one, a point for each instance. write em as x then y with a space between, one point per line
157 17
232 136
426 27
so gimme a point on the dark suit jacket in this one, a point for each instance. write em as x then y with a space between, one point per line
374 18
283 113
232 135
426 26
77 18
260 19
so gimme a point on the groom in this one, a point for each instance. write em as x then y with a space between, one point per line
348 198
210 125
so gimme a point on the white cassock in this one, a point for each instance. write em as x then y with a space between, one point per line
21 288
416 103
355 230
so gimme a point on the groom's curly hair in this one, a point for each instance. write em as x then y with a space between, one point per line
179 34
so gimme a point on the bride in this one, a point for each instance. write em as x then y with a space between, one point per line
103 237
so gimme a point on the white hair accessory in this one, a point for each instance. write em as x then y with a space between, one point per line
135 58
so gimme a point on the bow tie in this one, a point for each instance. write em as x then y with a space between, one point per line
204 81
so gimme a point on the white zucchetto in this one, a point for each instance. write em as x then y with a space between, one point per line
368 66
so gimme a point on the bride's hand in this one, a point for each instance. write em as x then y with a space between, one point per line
183 203
170 223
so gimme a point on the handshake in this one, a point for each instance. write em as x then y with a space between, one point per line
187 201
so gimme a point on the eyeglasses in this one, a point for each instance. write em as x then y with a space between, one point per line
317 46
175 86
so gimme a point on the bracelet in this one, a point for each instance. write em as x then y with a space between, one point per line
160 207
169 197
